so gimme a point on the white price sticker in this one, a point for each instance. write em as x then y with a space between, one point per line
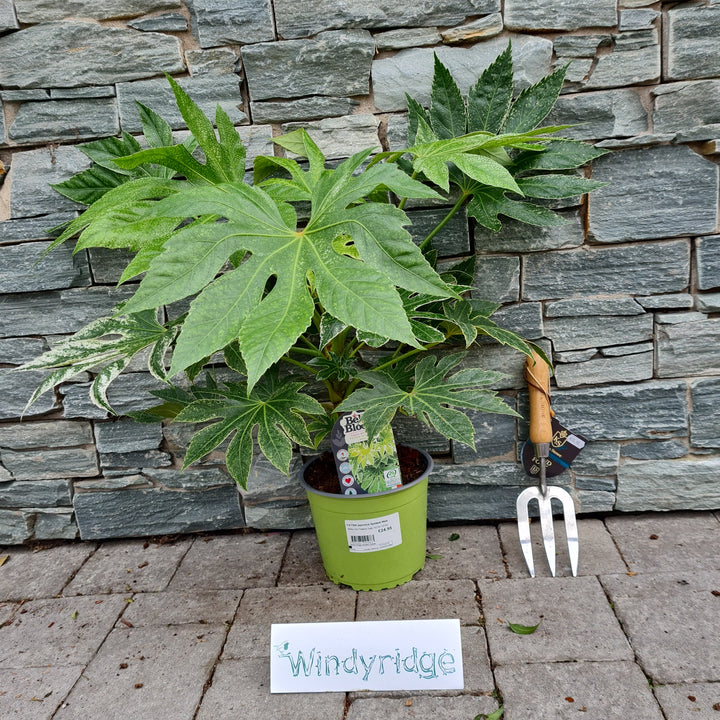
374 534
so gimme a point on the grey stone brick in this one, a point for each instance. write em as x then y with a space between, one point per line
591 485
15 527
214 61
138 459
40 11
580 45
97 61
624 412
525 319
482 28
687 107
200 479
495 473
95 91
298 18
575 333
342 136
451 503
168 22
600 114
452 240
705 413
8 21
35 493
576 307
626 368
708 302
77 404
671 191
673 301
136 513
16 351
49 464
688 348
410 431
52 434
207 92
411 71
642 269
634 60
2 124
654 450
16 388
32 173
309 108
497 278
227 22
108 264
125 435
334 63
520 237
598 458
31 228
25 269
668 485
406 38
637 19
692 32
575 355
55 524
494 437
549 15
633 349
64 120
707 260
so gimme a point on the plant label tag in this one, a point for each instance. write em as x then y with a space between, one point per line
364 466
374 534
564 448
375 655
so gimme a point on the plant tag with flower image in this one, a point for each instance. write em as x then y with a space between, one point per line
364 466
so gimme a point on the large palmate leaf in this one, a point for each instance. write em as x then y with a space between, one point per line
105 346
274 406
432 399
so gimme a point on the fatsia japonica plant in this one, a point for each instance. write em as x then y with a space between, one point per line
302 294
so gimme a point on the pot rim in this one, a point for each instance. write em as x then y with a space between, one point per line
428 469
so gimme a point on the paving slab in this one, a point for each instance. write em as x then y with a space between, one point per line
598 553
689 701
654 542
422 601
672 622
249 635
128 566
231 562
58 632
565 691
302 564
7 610
473 553
35 693
241 689
477 675
149 673
42 574
576 621
215 607
462 707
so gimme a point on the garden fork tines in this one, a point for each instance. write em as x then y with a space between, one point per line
537 375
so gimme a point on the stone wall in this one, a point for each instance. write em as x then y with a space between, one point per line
626 295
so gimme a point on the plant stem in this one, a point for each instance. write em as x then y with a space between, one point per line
299 364
402 202
426 243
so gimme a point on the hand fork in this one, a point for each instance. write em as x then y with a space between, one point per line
537 374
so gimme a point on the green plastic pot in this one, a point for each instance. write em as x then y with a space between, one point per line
372 542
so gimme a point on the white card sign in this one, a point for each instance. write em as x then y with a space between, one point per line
382 655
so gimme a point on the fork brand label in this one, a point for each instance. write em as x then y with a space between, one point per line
564 448
372 535
364 466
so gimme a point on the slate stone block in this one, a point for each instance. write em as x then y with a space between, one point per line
55 524
24 268
126 435
550 15
406 38
451 241
50 464
108 264
35 493
229 22
575 307
687 106
131 391
688 348
200 479
136 513
576 333
482 28
632 349
692 34
16 351
598 458
668 485
670 191
207 92
334 63
95 91
674 301
77 404
707 258
31 228
705 413
494 437
639 269
40 11
343 136
410 431
625 412
8 21
64 120
16 388
411 71
448 503
32 173
525 319
654 449
309 108
58 311
2 124
168 22
134 460
84 53
597 501
520 237
627 64
51 434
625 368
497 278
708 302
580 45
15 527
298 18
600 114
213 61
637 19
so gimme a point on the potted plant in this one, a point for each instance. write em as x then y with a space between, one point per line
308 276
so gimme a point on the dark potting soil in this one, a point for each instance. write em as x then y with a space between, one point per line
322 476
